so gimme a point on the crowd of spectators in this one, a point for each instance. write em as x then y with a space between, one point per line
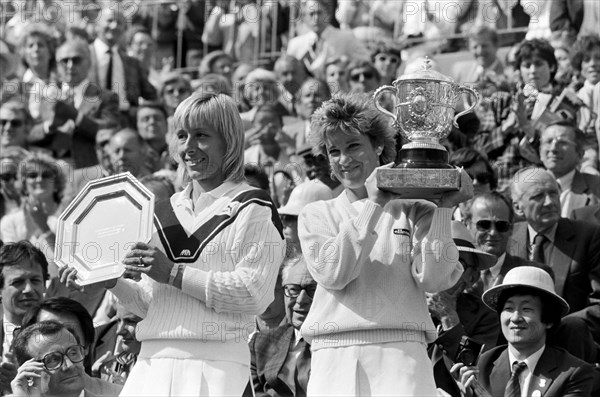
91 89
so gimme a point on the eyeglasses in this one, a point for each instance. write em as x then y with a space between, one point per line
8 177
294 290
366 75
74 60
36 175
14 122
53 361
484 225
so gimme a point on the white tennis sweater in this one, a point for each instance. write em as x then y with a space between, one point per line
373 266
232 280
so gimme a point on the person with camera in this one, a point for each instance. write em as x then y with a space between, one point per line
528 307
465 324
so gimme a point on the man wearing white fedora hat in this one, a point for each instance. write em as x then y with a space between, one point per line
528 306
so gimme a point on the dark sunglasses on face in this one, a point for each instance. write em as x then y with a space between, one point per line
8 177
482 178
384 58
356 76
43 174
288 218
54 360
294 290
484 225
75 60
14 122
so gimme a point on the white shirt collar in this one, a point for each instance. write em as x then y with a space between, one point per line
495 270
566 181
184 198
101 47
549 235
531 361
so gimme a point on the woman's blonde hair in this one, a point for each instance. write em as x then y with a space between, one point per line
43 161
219 112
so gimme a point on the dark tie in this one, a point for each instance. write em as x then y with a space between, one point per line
513 388
109 70
538 248
302 368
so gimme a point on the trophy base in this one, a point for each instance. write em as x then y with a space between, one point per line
418 183
422 158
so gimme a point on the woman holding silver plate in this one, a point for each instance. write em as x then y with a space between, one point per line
210 266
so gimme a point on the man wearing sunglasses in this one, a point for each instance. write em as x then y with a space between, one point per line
79 113
14 124
50 362
489 217
280 358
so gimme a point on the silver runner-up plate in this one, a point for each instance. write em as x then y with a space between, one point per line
101 224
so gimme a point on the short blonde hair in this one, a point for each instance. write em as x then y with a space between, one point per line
43 161
352 114
219 112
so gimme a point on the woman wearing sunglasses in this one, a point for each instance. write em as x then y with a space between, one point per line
373 257
42 184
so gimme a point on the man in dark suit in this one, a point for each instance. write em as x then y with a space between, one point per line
280 358
82 110
490 217
457 312
113 69
571 248
528 307
561 151
23 275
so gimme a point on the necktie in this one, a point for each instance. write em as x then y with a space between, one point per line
513 388
302 368
538 248
109 70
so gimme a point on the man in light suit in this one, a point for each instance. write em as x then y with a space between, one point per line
483 45
312 93
280 358
571 248
528 306
82 110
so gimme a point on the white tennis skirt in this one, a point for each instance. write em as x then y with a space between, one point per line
386 369
181 368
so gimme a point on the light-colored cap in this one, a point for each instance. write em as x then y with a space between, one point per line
526 276
305 193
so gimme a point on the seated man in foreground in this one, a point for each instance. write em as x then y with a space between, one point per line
528 308
50 362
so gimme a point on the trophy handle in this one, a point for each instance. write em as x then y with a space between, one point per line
476 98
377 94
